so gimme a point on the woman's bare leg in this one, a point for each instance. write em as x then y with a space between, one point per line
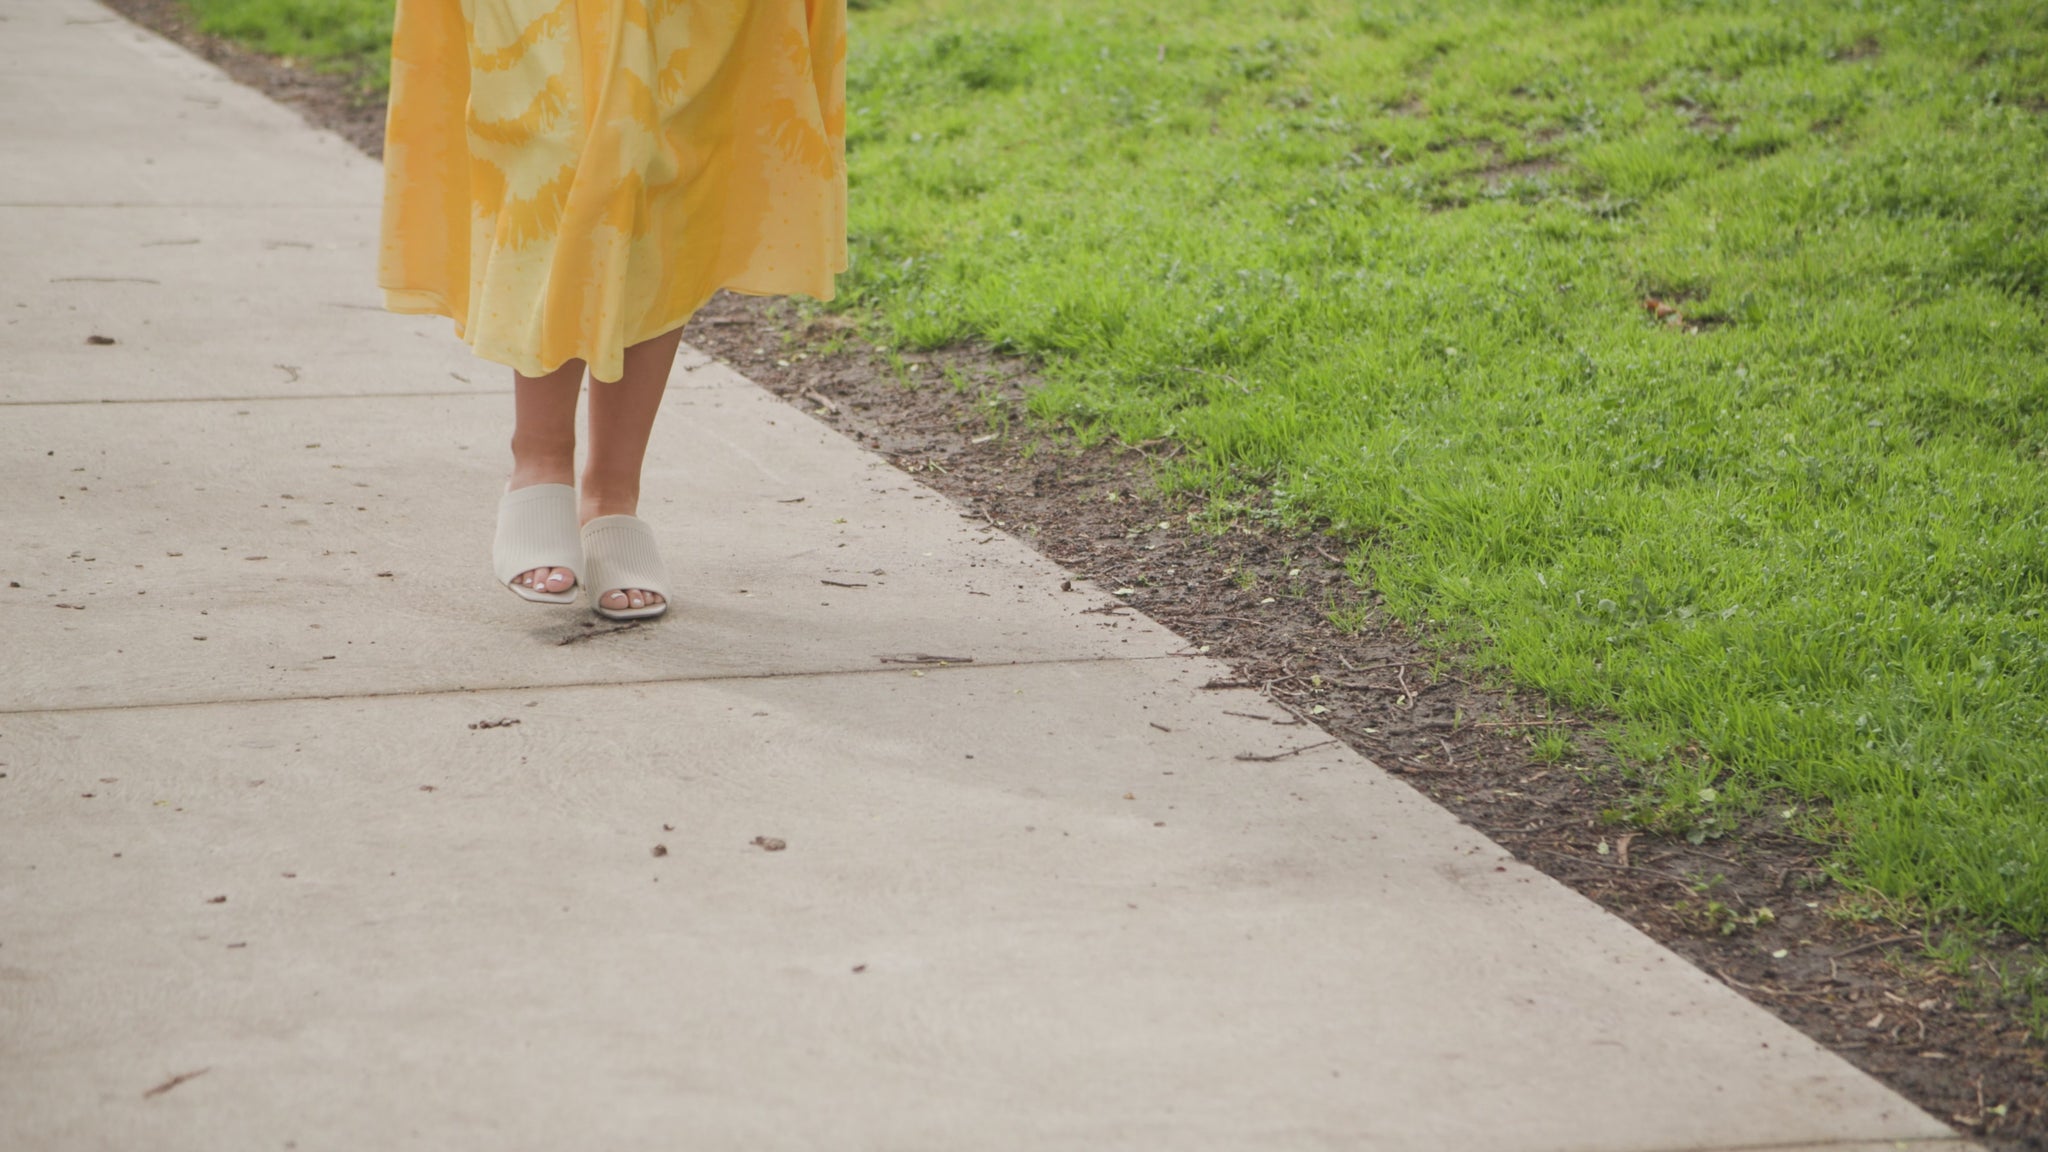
544 447
621 418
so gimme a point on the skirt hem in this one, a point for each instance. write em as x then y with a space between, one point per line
604 368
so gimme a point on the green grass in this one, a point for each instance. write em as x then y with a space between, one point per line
1387 261
350 36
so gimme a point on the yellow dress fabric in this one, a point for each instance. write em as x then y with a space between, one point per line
566 178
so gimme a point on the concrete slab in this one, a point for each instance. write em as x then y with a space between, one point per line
1012 913
190 296
223 551
44 36
113 114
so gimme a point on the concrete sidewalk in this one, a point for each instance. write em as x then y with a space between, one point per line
311 838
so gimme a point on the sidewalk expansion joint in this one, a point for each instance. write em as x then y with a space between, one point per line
253 399
339 206
554 686
1857 1144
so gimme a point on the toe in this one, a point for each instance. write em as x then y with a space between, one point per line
615 600
560 580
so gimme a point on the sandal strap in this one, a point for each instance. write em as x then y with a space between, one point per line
620 553
537 529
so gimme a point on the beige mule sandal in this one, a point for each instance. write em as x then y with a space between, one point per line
619 553
537 529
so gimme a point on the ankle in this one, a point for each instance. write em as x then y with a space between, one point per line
541 469
542 460
600 497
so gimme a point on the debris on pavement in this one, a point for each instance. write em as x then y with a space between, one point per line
174 1081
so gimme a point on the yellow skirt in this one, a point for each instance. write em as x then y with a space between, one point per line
566 178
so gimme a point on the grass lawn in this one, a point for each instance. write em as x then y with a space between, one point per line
1390 261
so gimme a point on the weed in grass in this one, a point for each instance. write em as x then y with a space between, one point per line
1552 747
1990 975
1717 917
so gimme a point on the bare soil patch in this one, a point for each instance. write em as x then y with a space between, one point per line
1951 1038
1499 175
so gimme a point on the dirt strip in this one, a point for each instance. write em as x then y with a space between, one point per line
1754 905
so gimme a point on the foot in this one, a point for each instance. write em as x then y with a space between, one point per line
620 599
553 580
601 499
